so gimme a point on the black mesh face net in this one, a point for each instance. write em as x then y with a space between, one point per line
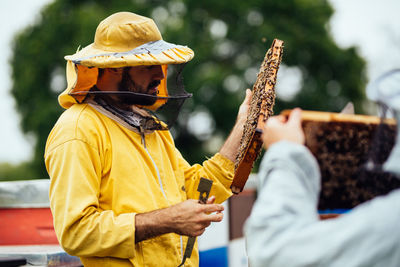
381 144
169 111
163 110
385 91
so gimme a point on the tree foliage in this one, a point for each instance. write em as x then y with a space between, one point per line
229 38
11 172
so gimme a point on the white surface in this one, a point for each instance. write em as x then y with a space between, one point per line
25 194
30 249
41 255
217 234
237 253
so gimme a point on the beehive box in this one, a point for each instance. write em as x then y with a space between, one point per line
343 144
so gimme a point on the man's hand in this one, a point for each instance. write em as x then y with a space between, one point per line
278 129
192 218
244 107
186 218
231 145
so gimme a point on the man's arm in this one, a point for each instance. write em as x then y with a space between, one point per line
220 167
186 218
82 228
231 145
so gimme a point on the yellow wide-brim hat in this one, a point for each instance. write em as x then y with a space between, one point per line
123 39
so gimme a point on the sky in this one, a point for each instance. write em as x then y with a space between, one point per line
14 16
372 26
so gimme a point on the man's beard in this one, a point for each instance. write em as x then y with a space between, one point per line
136 98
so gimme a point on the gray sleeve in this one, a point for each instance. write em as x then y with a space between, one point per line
284 227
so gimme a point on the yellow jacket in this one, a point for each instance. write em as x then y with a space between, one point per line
102 174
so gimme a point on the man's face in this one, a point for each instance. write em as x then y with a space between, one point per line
143 80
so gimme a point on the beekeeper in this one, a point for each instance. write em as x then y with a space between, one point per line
121 194
284 228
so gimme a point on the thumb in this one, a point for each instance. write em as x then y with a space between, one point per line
248 96
210 200
295 117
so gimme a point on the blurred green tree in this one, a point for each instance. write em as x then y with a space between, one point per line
229 38
13 172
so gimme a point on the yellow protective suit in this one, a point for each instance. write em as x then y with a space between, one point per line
102 174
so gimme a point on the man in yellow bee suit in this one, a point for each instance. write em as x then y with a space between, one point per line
121 194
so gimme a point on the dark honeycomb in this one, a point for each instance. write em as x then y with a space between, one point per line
342 150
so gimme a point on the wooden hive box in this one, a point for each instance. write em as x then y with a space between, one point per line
342 145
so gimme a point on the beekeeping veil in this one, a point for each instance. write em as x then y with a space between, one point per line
386 92
123 40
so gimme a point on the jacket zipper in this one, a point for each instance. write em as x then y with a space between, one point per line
155 166
159 179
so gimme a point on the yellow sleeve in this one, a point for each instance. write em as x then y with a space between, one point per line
81 227
218 168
